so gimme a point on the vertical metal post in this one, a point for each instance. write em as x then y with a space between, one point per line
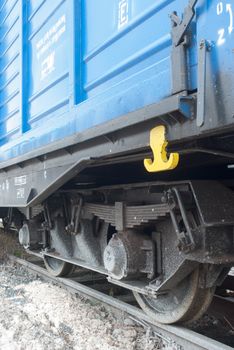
23 68
201 88
179 69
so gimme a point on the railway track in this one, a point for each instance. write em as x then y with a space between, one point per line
95 286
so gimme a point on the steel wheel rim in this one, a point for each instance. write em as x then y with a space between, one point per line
174 311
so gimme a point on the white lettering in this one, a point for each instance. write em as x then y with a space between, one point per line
51 37
20 180
219 8
48 65
123 13
20 193
229 10
221 39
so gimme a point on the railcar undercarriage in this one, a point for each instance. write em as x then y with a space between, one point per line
170 243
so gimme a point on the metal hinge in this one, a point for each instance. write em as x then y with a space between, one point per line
180 41
181 26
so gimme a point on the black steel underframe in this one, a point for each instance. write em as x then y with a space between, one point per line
125 138
179 104
170 112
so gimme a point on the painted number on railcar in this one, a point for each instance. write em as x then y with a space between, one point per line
20 180
225 8
123 13
20 193
4 185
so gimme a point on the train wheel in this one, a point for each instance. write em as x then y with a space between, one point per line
58 268
184 304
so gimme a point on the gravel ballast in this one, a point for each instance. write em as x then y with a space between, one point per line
38 315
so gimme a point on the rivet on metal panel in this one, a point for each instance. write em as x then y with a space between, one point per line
158 144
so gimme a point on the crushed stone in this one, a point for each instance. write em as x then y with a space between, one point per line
37 315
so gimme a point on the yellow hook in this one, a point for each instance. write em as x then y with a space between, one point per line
158 144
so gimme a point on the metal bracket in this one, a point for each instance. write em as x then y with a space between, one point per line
182 271
188 106
185 237
201 89
158 144
47 224
73 227
179 40
180 26
119 216
135 286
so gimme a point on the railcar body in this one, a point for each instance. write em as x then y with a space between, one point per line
116 142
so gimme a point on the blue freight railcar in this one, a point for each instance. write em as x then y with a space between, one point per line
64 63
99 100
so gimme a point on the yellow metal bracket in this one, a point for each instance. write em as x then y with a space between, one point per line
158 144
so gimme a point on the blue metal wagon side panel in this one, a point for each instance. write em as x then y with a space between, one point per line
48 55
82 63
69 65
219 59
10 122
133 41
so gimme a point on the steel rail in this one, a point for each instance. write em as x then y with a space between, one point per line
185 338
